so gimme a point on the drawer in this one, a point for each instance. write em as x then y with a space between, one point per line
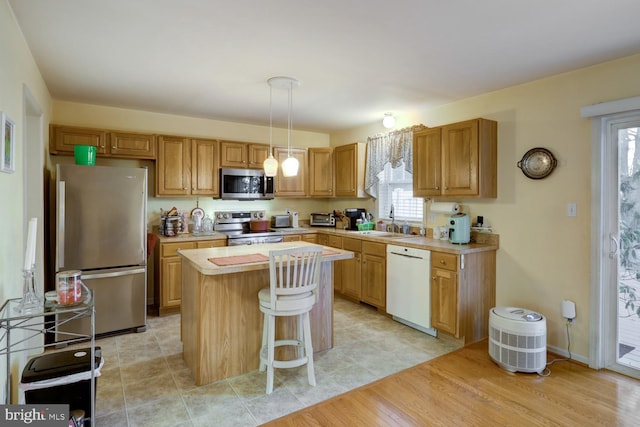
311 238
445 261
210 243
354 245
372 248
171 249
323 240
335 242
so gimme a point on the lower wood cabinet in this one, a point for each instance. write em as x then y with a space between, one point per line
311 238
444 292
462 293
167 285
351 269
363 277
374 274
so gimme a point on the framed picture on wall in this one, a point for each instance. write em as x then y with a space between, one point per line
7 138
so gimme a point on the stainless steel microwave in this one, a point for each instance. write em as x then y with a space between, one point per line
245 184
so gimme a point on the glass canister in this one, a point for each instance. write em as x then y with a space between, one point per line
207 225
69 287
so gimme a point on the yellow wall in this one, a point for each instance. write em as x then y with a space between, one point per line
544 255
18 73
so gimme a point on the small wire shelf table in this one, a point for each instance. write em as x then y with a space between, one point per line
41 321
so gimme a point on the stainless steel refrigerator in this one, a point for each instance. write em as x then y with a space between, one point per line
101 229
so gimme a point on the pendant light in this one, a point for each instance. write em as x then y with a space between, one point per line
270 164
290 165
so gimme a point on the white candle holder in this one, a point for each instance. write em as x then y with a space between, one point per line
31 298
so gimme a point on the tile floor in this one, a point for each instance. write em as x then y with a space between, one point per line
145 382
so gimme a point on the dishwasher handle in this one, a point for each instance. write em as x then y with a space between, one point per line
406 255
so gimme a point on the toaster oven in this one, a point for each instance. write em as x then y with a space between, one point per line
322 220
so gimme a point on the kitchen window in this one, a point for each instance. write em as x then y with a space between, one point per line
395 186
388 175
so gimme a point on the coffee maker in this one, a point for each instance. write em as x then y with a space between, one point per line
354 214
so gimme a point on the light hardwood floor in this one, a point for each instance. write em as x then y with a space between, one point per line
465 388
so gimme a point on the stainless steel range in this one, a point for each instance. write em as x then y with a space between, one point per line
235 224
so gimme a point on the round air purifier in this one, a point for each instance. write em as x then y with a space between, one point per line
518 339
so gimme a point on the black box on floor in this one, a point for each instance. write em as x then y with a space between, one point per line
62 367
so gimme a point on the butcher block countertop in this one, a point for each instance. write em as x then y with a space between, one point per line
199 258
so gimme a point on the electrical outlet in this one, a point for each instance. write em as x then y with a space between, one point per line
287 211
568 309
432 217
572 209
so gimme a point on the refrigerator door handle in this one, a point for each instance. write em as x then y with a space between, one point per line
60 232
113 274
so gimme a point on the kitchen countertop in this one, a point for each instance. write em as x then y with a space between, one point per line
199 258
409 240
412 241
188 237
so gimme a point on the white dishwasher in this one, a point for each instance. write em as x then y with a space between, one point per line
409 287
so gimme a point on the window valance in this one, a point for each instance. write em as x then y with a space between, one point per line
391 147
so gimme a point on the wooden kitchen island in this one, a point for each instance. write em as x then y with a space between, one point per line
221 323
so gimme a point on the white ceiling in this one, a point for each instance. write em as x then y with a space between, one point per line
355 59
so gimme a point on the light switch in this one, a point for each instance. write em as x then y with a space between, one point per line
572 210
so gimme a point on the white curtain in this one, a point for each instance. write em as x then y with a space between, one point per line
391 147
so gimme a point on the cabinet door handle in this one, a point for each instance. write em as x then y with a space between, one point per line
442 262
433 278
113 147
437 187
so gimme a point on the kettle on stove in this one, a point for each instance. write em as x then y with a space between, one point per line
459 228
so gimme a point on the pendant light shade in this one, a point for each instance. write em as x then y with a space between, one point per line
270 165
290 165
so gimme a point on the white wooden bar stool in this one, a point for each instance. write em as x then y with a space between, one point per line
294 277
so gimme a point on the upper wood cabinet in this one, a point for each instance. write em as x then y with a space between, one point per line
293 186
109 143
242 155
349 164
321 172
136 145
205 166
427 162
187 167
456 160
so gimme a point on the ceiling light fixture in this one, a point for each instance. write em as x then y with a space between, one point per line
389 121
290 165
270 164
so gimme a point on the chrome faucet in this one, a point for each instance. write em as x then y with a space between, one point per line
393 220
